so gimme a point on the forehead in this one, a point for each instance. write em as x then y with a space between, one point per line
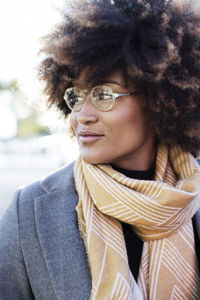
116 77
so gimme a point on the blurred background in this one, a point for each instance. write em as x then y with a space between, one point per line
33 142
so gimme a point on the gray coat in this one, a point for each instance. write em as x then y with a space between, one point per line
42 255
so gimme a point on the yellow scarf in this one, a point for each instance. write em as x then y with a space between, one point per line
159 211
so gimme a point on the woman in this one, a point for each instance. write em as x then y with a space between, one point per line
121 222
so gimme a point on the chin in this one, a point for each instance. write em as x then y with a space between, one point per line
93 159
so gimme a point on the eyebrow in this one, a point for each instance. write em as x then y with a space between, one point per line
109 81
102 82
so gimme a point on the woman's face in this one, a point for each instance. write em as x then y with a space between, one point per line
121 136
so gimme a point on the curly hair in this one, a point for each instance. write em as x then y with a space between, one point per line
156 43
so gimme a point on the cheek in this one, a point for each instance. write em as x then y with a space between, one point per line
129 128
72 121
130 119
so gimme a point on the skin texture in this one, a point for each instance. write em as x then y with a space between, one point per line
122 136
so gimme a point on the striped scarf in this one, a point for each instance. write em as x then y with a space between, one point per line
159 211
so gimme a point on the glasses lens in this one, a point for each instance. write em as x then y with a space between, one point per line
74 98
103 98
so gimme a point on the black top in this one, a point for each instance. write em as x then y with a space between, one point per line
134 244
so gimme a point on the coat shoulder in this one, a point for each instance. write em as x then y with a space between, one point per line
21 208
23 201
19 242
57 180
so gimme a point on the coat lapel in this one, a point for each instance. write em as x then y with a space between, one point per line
60 240
62 246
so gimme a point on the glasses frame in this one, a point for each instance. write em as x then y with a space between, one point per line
85 91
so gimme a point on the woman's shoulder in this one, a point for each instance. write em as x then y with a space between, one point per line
32 219
62 178
54 183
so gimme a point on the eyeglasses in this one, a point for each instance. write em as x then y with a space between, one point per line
101 96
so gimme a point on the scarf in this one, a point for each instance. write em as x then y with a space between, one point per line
159 211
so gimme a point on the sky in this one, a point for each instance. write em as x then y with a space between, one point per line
22 22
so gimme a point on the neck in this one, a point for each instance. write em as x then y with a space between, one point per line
142 160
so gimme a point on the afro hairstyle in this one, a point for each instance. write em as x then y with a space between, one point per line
155 43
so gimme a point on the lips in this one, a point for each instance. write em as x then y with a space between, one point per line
87 136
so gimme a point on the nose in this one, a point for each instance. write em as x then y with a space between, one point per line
88 112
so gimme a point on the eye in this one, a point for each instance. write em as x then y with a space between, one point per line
102 93
73 97
102 97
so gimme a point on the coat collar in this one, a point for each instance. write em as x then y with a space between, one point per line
63 249
61 179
